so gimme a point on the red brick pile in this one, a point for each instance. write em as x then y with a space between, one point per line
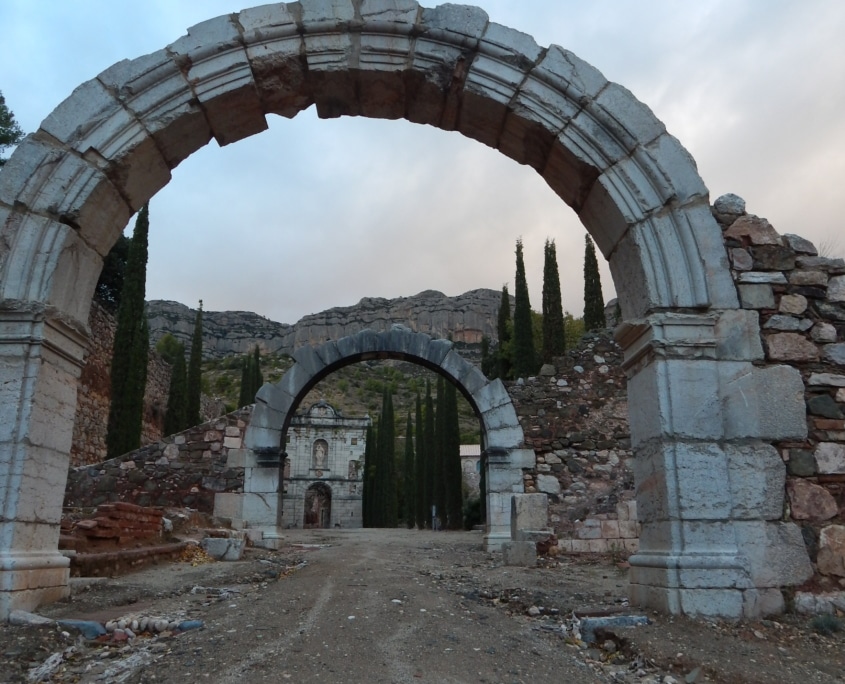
118 524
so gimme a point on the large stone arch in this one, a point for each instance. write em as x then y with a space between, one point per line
698 404
501 435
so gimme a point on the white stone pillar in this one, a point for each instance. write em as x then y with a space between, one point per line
700 414
41 359
504 479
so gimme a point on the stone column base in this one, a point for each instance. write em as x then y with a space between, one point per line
31 580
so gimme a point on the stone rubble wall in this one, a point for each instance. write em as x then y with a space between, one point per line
94 393
800 298
184 470
574 414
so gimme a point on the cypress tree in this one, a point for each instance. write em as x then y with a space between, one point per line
419 469
257 375
593 299
524 363
174 419
195 372
367 475
131 347
453 473
503 329
388 460
554 337
244 398
409 507
439 492
429 453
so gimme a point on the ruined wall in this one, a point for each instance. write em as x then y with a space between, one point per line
94 393
574 414
800 297
183 470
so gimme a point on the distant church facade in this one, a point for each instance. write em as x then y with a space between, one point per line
324 466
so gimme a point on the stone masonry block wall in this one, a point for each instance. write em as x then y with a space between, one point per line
183 470
800 299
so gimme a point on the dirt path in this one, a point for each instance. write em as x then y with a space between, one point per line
397 606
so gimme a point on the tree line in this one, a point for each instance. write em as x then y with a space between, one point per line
528 339
427 493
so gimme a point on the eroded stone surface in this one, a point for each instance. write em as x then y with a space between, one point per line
831 559
809 501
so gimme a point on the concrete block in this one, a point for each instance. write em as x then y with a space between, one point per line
520 553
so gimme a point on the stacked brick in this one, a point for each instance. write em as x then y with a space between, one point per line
184 470
121 524
800 297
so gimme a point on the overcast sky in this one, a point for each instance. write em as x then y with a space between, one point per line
313 214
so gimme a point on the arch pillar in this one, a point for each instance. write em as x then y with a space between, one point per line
41 359
709 487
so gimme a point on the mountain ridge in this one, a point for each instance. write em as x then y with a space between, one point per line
463 318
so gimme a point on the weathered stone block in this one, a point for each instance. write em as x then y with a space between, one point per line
223 548
810 502
756 296
834 353
520 553
548 484
776 554
737 335
529 512
748 410
793 304
830 458
791 347
831 558
758 231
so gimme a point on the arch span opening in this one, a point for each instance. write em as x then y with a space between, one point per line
697 399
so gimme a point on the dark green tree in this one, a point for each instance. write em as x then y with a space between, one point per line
175 419
251 377
110 282
419 469
429 453
489 360
554 334
368 477
192 403
168 348
524 360
10 132
439 492
131 347
504 329
452 471
387 459
409 508
593 298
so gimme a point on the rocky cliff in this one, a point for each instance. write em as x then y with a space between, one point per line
465 318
